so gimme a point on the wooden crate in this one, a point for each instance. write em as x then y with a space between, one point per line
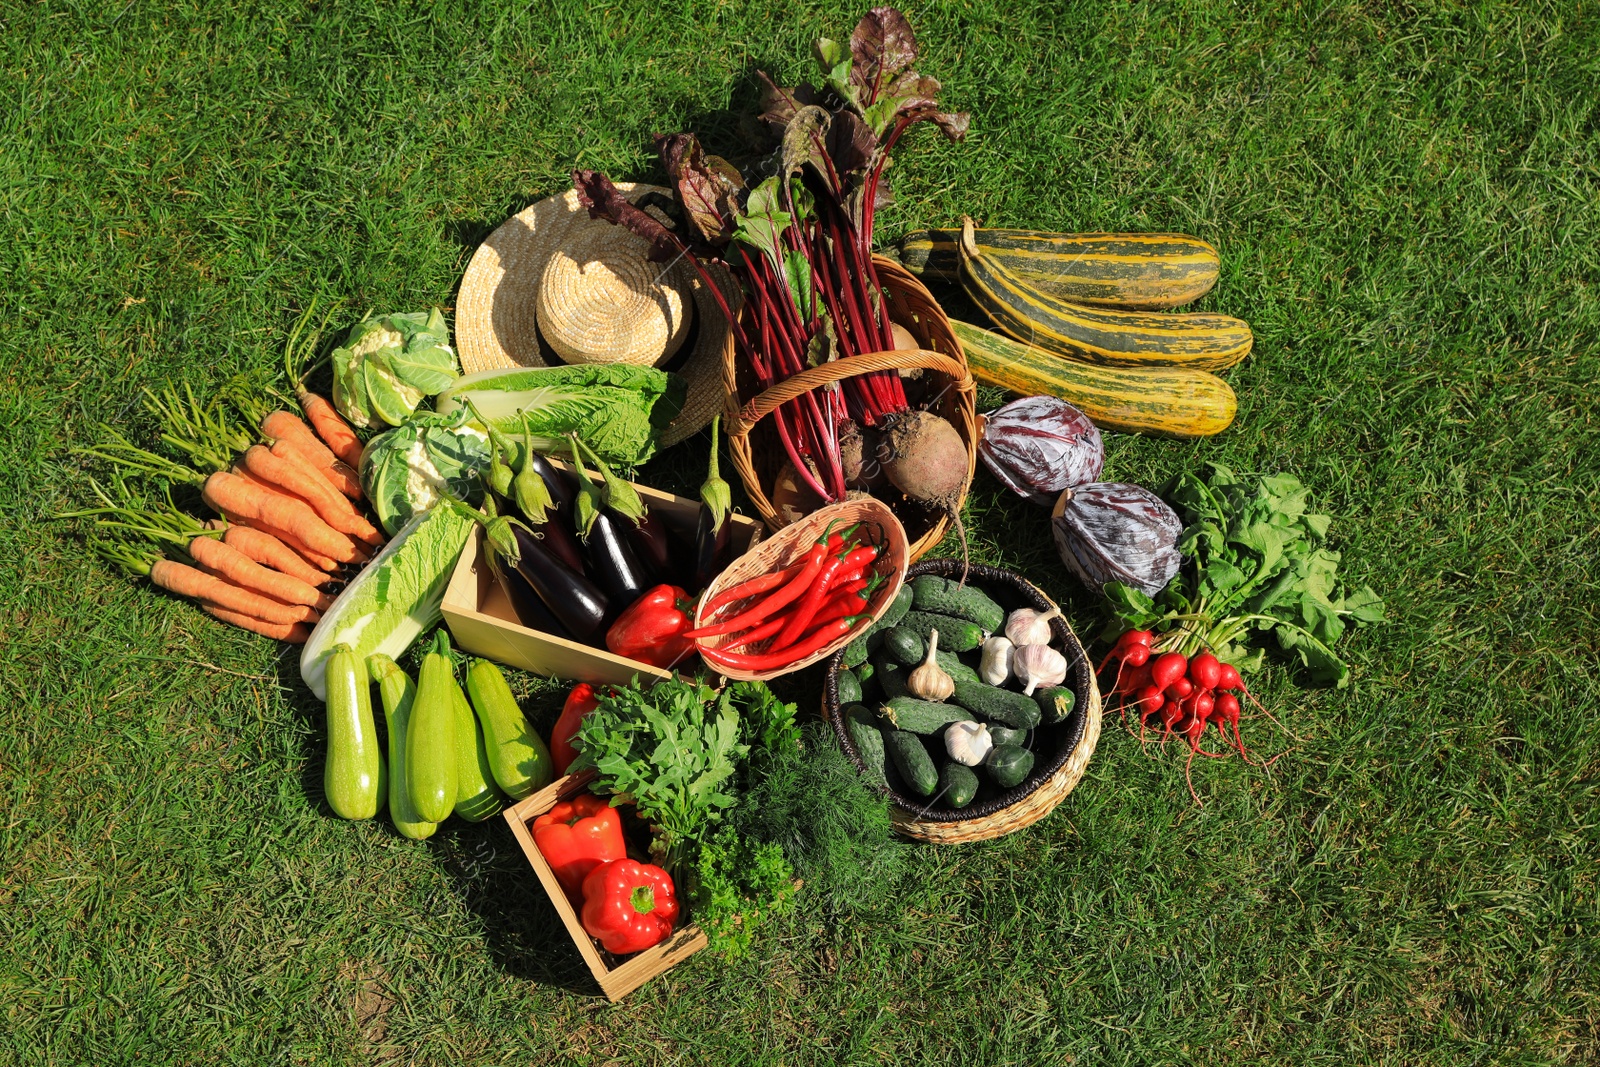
616 979
483 623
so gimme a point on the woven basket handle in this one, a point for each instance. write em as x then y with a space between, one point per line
835 370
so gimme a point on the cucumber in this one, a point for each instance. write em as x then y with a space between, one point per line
352 775
1008 765
1005 735
911 759
955 635
890 675
907 648
867 735
864 673
959 784
849 688
856 651
903 646
929 592
922 716
1005 706
1056 702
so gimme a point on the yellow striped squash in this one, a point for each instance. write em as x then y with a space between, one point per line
1098 335
1126 270
1166 401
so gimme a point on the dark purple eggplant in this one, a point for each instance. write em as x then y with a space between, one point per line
581 606
558 537
614 563
561 484
651 545
530 609
1111 532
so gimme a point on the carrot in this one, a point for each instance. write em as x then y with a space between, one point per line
289 540
288 471
229 492
285 498
282 426
268 551
296 633
334 431
187 581
229 563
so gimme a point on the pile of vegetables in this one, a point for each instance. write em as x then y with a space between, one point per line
779 618
951 685
800 242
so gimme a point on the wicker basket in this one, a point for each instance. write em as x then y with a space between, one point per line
795 540
755 451
1063 749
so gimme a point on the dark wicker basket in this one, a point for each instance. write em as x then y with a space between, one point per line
1062 751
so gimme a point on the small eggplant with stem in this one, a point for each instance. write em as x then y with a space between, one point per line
711 527
647 534
534 490
579 605
530 608
603 527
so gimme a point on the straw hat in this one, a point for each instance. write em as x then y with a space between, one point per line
552 285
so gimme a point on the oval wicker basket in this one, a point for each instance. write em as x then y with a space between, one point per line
1069 744
758 457
795 540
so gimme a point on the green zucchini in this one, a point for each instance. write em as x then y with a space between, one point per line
431 740
1006 735
856 651
1008 765
352 773
398 693
955 635
958 784
849 687
476 795
1056 702
1005 706
911 759
517 754
922 716
866 734
1130 270
943 596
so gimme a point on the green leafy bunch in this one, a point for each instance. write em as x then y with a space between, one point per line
1254 559
737 885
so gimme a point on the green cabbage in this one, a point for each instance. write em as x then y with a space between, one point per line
395 598
389 365
411 468
620 409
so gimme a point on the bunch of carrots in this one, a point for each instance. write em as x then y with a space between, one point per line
287 500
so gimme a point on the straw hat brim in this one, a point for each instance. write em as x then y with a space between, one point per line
496 316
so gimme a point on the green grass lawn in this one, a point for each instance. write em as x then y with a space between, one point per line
1407 203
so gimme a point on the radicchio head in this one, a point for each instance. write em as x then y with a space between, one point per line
1040 445
1111 532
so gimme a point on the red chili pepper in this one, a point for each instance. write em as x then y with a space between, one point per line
580 702
652 629
765 630
785 594
754 587
815 596
816 639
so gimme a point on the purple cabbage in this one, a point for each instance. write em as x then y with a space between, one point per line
1040 445
1111 532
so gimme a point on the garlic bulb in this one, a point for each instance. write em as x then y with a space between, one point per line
968 742
995 666
930 681
1029 627
1037 665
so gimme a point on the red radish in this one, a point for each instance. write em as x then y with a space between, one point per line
1228 677
1147 700
1205 670
1203 704
1131 640
1137 637
1180 689
1192 731
1168 668
1136 655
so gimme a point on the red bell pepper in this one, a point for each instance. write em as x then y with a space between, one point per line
580 702
628 905
577 836
652 629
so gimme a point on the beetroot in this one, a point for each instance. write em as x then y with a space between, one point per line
1040 445
926 459
858 457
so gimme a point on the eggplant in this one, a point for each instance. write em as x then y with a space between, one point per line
650 543
561 485
581 606
616 566
556 533
710 548
530 609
